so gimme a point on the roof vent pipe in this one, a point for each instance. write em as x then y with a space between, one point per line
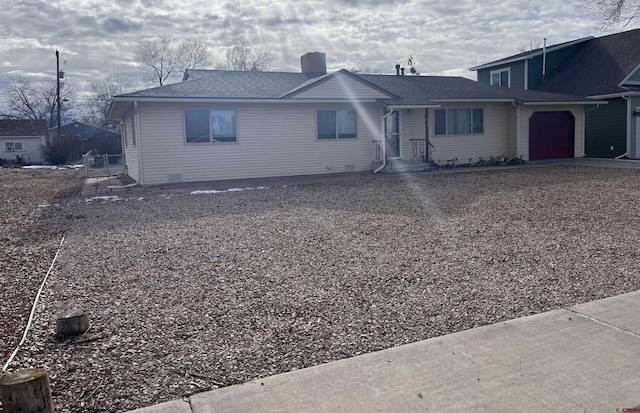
398 70
402 70
544 61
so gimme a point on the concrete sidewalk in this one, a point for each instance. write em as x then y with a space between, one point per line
581 359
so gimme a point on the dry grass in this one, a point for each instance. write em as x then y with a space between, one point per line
191 292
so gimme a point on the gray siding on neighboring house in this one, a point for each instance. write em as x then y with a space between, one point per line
272 140
517 74
606 127
635 128
635 76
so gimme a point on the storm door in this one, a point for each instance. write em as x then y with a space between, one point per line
392 135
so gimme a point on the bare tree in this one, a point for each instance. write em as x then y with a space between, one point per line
194 54
159 57
243 56
162 58
101 96
613 13
31 100
529 46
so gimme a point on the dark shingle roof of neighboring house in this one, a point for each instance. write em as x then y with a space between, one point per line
84 130
531 54
23 127
599 66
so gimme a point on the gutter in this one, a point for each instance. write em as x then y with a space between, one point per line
384 142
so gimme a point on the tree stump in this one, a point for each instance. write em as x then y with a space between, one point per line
72 322
26 391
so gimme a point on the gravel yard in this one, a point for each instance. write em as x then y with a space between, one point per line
187 293
30 232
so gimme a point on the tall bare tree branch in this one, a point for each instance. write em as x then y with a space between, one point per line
101 96
30 100
243 56
193 54
612 13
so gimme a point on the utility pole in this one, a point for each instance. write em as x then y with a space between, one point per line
58 89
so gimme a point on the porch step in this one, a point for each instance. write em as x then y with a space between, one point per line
395 166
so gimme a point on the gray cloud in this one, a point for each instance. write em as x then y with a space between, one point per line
98 38
114 25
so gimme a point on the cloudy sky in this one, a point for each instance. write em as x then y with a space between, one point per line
98 38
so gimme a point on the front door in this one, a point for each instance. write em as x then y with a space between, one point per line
392 135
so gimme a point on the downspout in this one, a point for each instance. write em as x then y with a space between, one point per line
628 99
384 141
138 143
518 127
544 61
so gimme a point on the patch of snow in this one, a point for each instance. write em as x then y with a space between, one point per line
218 191
104 198
41 167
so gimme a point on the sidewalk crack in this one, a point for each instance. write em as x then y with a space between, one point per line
602 322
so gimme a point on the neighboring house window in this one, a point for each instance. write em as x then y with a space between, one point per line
337 124
133 129
12 146
501 77
459 121
210 126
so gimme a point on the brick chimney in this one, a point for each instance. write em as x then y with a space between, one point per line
314 62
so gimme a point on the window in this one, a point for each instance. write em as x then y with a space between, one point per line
203 126
337 124
501 77
459 121
12 146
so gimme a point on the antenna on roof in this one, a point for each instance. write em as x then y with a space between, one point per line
544 60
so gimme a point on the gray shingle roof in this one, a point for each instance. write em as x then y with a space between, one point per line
598 66
530 54
229 84
23 127
459 88
408 90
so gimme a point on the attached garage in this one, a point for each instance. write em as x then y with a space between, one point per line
551 135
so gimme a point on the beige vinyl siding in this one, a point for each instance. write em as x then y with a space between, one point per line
341 87
493 142
527 111
130 151
272 140
411 127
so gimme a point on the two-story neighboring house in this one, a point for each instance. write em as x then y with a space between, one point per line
603 68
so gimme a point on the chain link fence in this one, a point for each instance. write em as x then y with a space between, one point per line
102 165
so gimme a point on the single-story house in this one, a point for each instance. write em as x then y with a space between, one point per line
23 140
604 68
219 124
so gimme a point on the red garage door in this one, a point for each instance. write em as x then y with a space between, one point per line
551 135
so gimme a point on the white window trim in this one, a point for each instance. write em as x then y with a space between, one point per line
13 146
337 138
211 140
504 69
446 126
